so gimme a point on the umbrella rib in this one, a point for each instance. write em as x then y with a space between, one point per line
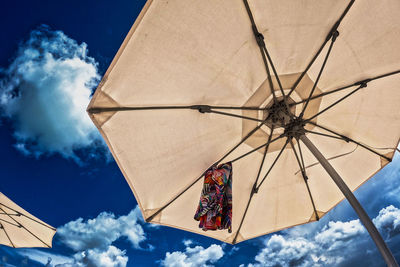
277 79
261 44
21 225
320 72
326 135
257 148
273 164
303 174
347 86
234 115
253 191
198 107
331 158
263 49
32 219
330 34
4 229
337 102
17 225
197 179
348 139
271 85
274 70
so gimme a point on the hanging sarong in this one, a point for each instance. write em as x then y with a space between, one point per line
215 208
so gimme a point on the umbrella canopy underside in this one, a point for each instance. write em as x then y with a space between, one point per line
185 53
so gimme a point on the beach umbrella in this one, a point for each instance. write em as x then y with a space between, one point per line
301 96
19 229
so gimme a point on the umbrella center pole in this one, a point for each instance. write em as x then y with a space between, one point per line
375 235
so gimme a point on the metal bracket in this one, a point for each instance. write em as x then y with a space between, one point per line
255 189
259 37
335 34
202 108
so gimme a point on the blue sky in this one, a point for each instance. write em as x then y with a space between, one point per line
54 164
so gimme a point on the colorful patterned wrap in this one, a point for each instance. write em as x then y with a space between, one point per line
215 208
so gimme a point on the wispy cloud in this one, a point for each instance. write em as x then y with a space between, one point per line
44 257
45 91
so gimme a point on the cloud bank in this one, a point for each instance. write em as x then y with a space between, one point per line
336 244
44 92
92 241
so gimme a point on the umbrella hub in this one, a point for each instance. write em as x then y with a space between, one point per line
278 115
295 128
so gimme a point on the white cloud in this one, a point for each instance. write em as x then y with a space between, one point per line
102 231
388 221
112 257
193 257
286 252
187 242
338 234
45 91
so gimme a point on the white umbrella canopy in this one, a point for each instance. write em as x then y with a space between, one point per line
189 88
19 229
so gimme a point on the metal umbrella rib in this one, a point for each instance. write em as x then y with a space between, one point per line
303 174
17 213
366 81
333 39
329 36
327 135
196 107
273 164
336 102
8 237
261 44
254 188
348 139
264 53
